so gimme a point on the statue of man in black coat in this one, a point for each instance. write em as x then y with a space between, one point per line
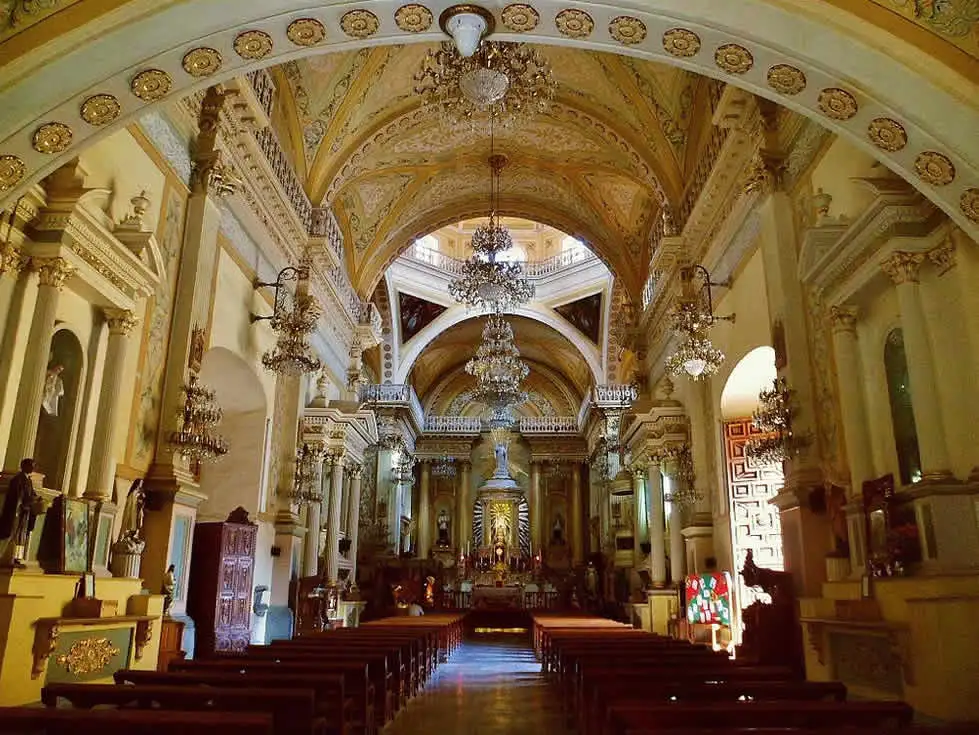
17 516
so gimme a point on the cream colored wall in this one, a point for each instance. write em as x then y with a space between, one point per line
835 174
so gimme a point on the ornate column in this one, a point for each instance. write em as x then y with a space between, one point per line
335 461
536 508
902 268
577 529
657 527
425 511
53 273
314 517
639 516
353 517
961 254
102 473
464 509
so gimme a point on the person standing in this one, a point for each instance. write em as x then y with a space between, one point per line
17 516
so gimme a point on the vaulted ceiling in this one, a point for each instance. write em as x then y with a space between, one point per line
599 164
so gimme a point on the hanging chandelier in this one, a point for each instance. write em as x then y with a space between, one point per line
293 320
692 319
444 466
500 80
196 441
487 282
677 461
305 489
498 368
774 419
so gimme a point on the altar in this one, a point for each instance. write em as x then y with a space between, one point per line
498 598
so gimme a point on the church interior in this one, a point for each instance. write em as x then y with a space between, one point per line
492 368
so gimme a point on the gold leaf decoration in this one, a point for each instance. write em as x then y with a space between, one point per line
935 168
52 137
252 45
786 79
888 135
88 656
100 109
359 23
627 30
970 204
733 59
151 85
574 23
681 43
12 170
520 18
202 62
306 32
837 103
413 18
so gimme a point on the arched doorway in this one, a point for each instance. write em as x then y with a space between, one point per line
755 522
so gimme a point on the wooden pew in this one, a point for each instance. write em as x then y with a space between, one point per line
659 717
331 700
21 720
293 711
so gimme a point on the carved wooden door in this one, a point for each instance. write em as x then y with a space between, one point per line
233 625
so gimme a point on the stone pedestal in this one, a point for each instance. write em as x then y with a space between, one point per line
127 557
663 608
947 516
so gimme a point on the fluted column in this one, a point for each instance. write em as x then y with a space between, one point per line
425 511
577 529
353 517
335 461
678 562
657 527
53 273
856 432
902 268
536 508
314 520
638 512
102 473
464 510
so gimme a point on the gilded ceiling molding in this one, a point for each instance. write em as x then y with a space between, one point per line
253 45
682 43
306 32
574 23
100 109
734 58
520 18
359 23
837 103
52 137
786 79
934 168
202 62
413 18
151 85
887 134
969 203
627 30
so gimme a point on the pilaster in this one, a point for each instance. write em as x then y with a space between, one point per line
335 462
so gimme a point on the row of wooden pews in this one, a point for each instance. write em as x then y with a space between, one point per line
350 681
615 680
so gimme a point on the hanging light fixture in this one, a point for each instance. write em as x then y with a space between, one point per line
692 319
292 322
469 77
305 489
196 440
444 466
498 368
774 419
486 282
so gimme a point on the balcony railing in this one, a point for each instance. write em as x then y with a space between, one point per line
453 424
615 393
531 268
548 425
392 394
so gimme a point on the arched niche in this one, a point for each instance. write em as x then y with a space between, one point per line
753 373
59 415
237 479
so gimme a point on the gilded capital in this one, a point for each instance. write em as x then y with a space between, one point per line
943 256
121 321
53 271
843 318
355 471
11 260
903 267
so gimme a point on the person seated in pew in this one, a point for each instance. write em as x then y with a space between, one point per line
415 610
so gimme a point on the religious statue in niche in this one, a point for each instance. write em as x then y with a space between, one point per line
54 390
58 405
443 528
557 531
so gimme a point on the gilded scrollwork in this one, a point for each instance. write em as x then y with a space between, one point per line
88 656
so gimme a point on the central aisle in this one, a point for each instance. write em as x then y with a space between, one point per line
491 686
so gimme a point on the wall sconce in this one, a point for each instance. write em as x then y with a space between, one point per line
292 354
692 319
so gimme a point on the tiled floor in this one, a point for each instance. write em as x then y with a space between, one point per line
491 686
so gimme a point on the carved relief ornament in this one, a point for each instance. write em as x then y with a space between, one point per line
843 318
902 267
53 271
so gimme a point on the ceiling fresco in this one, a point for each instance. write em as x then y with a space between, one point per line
600 163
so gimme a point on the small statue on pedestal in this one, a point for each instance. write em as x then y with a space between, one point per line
128 549
443 529
169 589
21 506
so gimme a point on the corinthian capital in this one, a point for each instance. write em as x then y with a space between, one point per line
903 267
121 321
53 271
843 318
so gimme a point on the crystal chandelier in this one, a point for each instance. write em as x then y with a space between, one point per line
444 466
677 461
692 320
196 440
305 489
497 367
292 323
499 80
485 281
774 419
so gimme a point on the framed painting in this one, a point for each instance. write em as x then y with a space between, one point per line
74 536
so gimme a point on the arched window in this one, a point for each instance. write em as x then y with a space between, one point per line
902 415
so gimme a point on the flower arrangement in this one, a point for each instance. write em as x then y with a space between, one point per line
902 542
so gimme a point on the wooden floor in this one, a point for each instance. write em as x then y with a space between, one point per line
490 686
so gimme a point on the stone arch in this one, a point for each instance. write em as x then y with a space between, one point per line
237 478
754 372
850 74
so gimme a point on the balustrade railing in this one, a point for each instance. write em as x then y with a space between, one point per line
615 393
548 425
390 393
453 424
531 268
